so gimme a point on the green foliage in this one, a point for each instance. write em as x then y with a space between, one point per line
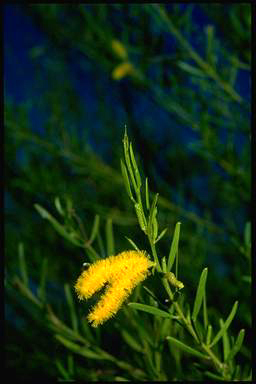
164 332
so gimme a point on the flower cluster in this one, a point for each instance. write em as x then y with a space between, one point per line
121 273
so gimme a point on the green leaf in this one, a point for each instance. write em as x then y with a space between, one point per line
152 214
128 161
209 334
71 364
205 311
57 226
131 341
199 294
141 217
22 262
186 348
71 306
247 234
41 288
132 243
152 310
95 228
194 71
236 376
226 324
155 226
126 181
83 351
164 264
209 44
237 346
92 254
147 194
247 279
161 235
120 378
58 206
101 245
62 370
174 247
214 376
225 339
110 237
136 170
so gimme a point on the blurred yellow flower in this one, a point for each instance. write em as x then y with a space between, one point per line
122 273
122 70
119 49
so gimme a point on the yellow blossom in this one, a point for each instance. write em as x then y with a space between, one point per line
119 49
122 70
121 273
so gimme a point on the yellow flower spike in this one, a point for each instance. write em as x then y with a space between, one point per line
122 273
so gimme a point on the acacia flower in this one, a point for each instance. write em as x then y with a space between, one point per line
121 273
124 69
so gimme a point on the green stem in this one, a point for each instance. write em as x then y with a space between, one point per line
153 248
214 358
186 322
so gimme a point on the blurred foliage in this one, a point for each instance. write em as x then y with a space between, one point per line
183 90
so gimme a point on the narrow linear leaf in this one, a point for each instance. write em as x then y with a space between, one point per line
136 170
155 227
132 243
150 292
71 306
174 247
22 262
101 245
152 214
110 237
247 234
128 161
120 378
154 297
71 364
131 341
62 370
214 376
225 339
186 348
41 289
91 253
56 225
237 346
126 181
199 294
26 291
147 194
86 352
209 334
226 324
58 206
152 310
164 264
95 228
236 376
194 71
205 311
161 235
140 216
247 279
209 46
